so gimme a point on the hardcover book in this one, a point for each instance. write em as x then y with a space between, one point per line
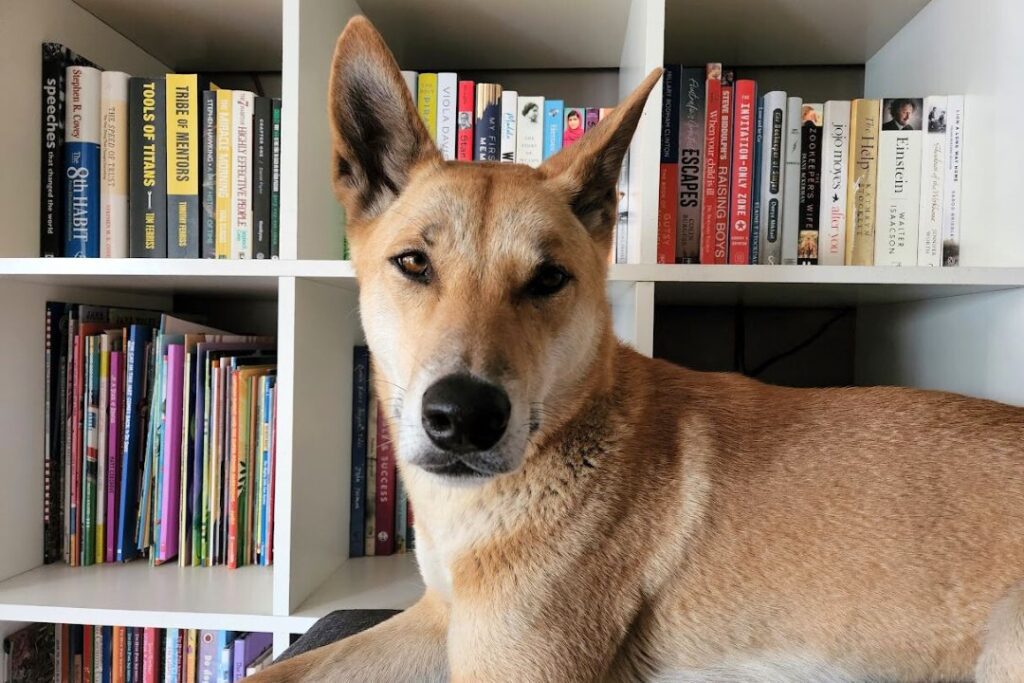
509 108
860 196
530 131
709 191
464 146
553 112
208 188
724 170
182 111
370 531
147 168
426 102
275 178
593 116
385 485
668 169
898 194
82 162
810 184
933 176
360 412
114 165
741 189
574 125
447 107
835 166
790 186
776 153
692 94
223 182
241 174
488 111
755 213
261 123
953 182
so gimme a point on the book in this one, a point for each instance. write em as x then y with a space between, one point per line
183 157
530 131
241 174
507 146
779 177
898 188
810 184
486 127
933 176
592 117
953 181
724 169
464 122
835 167
147 169
90 460
385 485
208 175
150 655
426 93
261 123
372 434
692 94
447 111
30 654
275 178
411 78
114 164
741 204
755 191
171 650
790 223
573 125
134 418
82 162
861 179
114 441
223 183
553 111
711 251
170 458
668 169
401 515
247 649
53 508
360 411
102 424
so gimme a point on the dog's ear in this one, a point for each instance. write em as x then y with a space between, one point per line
378 135
587 171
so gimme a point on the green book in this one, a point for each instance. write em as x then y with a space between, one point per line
92 393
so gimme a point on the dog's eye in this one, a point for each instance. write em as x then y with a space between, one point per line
414 265
549 279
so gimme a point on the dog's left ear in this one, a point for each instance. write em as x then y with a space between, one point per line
587 171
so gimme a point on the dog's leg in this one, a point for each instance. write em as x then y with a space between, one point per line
1002 654
408 647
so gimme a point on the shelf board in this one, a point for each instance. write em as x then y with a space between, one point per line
137 594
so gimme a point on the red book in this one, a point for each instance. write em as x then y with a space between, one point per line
87 654
721 231
150 656
741 204
464 136
385 510
668 170
709 188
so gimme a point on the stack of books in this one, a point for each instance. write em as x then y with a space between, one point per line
750 178
159 440
73 653
155 167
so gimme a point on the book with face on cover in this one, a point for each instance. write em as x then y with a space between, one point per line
898 195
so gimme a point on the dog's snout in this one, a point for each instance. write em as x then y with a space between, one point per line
462 414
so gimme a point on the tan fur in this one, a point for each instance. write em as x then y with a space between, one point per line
659 524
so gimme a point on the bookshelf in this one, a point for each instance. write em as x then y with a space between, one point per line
949 328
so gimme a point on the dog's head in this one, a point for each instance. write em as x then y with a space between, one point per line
482 286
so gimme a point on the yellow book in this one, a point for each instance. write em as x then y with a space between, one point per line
182 114
427 92
191 645
222 205
865 117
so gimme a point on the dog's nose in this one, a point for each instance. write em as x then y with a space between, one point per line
462 414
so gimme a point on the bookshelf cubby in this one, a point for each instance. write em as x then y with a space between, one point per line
950 328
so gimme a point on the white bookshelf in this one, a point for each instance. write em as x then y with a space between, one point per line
956 329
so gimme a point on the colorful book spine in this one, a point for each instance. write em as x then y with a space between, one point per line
114 165
790 225
709 247
360 410
426 102
241 174
553 112
147 169
208 657
385 537
486 126
507 144
91 450
261 124
102 421
530 131
171 650
810 185
779 171
275 178
835 167
134 401
114 452
591 118
370 532
953 181
742 182
447 109
208 175
668 169
721 232
573 125
898 193
150 656
223 181
183 156
170 458
464 133
862 179
755 190
82 162
692 100
933 176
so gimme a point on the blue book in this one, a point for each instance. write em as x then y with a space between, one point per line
360 413
267 468
108 654
553 112
82 162
755 186
487 124
173 642
135 372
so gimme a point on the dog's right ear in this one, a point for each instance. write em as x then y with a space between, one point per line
378 135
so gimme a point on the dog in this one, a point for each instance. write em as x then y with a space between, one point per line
585 513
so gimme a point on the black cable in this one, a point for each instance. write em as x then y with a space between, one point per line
801 346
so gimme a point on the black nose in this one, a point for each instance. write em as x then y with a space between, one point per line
462 414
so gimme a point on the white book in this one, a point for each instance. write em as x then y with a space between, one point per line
834 174
530 130
241 174
898 199
447 113
114 165
774 127
410 82
791 182
507 132
622 224
933 176
953 182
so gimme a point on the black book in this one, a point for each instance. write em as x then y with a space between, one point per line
147 169
810 187
275 179
261 182
53 500
208 175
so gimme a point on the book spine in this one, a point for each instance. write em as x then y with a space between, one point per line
234 477
114 451
426 102
786 250
117 655
530 131
82 162
208 190
241 175
102 422
464 134
191 647
360 409
692 99
238 660
933 175
709 189
370 532
401 514
668 169
862 178
835 167
780 167
52 524
88 644
223 182
207 663
447 101
90 435
411 78
573 119
171 457
488 111
755 188
810 185
171 656
592 117
182 112
261 124
721 234
741 199
509 105
385 538
622 223
51 168
114 165
898 193
275 178
953 182
147 186
552 127
150 662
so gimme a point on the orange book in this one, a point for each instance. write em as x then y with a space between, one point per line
117 656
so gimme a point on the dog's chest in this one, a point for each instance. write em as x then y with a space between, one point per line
447 543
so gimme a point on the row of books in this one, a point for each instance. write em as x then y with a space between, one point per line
381 519
159 440
155 167
72 653
770 179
